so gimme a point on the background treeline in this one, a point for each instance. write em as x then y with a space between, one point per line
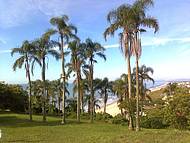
13 97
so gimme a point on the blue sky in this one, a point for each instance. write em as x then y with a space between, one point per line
168 51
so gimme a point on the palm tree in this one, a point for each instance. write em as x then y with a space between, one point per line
25 58
139 21
44 46
105 89
119 89
92 49
130 18
57 91
77 59
120 18
144 76
37 93
66 31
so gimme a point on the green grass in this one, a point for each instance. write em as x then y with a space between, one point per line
156 94
17 128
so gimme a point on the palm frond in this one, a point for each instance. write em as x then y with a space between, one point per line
55 54
19 63
150 22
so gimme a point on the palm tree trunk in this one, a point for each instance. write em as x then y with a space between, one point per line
89 106
137 95
44 90
142 96
105 100
131 127
59 102
92 93
63 78
81 100
30 88
81 94
78 96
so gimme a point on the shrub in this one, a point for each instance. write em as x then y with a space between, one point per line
85 116
71 115
154 119
152 123
177 112
103 117
119 119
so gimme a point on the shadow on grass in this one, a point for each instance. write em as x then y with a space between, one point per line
24 141
15 122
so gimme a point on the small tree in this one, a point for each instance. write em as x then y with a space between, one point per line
177 112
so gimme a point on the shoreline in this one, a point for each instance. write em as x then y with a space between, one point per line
158 87
113 109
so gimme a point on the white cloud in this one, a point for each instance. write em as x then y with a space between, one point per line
57 48
152 41
51 8
15 12
2 41
111 46
148 41
5 51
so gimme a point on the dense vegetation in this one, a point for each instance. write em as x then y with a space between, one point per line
13 97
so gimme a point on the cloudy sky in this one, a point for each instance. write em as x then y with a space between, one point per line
168 51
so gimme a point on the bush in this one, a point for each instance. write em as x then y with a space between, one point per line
152 123
154 119
71 115
177 112
85 116
119 119
103 117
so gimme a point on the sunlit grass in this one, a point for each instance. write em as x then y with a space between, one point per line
17 128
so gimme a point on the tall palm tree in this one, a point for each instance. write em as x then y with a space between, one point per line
66 32
130 18
25 52
77 59
120 18
92 49
44 46
139 21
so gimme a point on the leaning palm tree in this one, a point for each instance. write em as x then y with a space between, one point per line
43 47
92 49
66 32
140 21
120 18
25 58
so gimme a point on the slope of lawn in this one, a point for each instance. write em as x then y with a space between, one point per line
17 128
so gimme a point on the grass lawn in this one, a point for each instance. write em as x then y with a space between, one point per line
17 128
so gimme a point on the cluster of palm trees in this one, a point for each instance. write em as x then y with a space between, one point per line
120 88
83 58
129 19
